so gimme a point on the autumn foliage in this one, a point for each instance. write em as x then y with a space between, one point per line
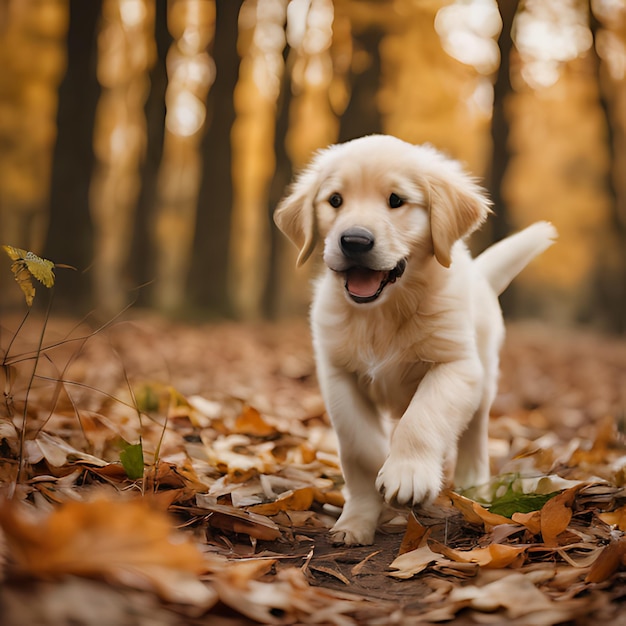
182 472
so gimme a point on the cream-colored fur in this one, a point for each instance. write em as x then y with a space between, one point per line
406 325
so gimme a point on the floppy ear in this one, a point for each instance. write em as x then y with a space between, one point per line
295 214
457 207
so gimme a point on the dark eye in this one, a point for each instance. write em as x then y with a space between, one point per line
395 201
335 200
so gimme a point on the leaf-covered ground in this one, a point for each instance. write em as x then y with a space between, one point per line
160 473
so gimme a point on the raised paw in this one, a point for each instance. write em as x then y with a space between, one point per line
409 481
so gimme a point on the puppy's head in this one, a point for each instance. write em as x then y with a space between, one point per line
380 205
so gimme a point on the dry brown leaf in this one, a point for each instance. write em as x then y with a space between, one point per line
474 513
608 562
329 570
493 556
411 563
125 540
532 521
414 536
356 570
242 522
488 518
513 592
465 506
556 515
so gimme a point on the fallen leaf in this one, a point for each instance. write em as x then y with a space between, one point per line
474 513
465 506
356 570
556 515
250 422
513 592
512 502
609 560
493 556
532 521
298 500
411 563
58 452
131 458
413 536
241 522
615 518
124 540
330 571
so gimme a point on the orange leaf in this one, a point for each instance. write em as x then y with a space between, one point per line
494 556
490 519
532 521
414 535
297 500
615 518
465 506
250 422
474 513
556 515
126 540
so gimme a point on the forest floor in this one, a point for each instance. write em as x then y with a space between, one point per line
162 473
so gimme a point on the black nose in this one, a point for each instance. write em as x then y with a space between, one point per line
357 240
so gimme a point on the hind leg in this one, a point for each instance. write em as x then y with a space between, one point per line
472 465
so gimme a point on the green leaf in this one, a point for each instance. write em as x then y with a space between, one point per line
516 502
131 458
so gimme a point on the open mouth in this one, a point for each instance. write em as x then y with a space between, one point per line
365 285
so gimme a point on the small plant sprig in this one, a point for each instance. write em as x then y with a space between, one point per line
27 265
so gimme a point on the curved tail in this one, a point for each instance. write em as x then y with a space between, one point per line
503 261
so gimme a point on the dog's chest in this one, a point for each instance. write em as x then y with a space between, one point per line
388 369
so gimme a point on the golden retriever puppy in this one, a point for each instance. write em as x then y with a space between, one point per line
406 325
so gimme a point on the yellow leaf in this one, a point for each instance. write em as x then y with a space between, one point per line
26 264
615 518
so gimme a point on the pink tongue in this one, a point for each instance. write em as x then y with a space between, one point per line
363 282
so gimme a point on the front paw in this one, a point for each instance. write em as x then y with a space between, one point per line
357 523
355 536
409 481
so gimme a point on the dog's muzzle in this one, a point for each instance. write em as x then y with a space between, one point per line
364 283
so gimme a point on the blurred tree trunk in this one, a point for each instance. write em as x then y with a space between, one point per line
69 237
191 72
126 52
33 60
609 34
500 135
499 122
261 43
